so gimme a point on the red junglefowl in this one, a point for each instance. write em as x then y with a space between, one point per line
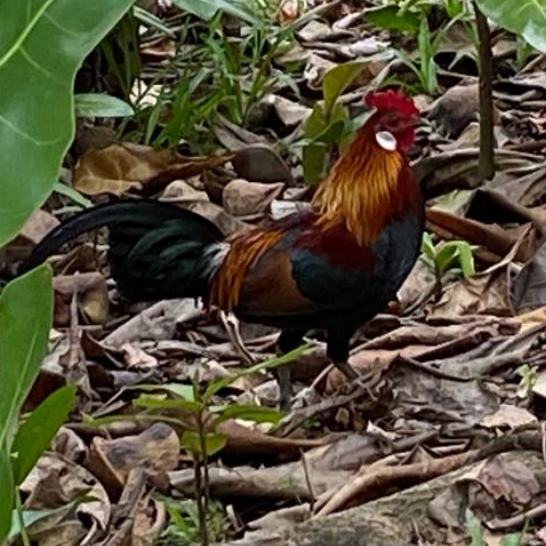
332 267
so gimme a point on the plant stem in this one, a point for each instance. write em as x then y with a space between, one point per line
487 137
201 511
19 508
204 461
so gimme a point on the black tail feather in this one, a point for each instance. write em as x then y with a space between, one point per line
157 250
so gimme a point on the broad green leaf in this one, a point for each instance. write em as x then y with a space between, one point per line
7 496
524 17
99 105
337 80
191 442
38 429
445 256
258 414
466 259
207 9
26 310
326 135
42 44
316 122
313 161
390 17
427 246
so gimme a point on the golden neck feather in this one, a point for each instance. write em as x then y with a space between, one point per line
364 190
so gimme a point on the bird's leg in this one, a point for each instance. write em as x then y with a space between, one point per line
288 341
338 351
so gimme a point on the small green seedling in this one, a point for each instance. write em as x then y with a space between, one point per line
329 124
192 409
529 376
183 527
447 259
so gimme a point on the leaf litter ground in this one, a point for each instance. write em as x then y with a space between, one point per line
453 406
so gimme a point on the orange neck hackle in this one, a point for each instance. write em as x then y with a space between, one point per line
365 189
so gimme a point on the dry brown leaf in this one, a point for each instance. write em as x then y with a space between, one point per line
289 113
458 169
91 291
529 285
54 482
508 481
248 199
508 416
38 225
122 167
455 109
156 449
260 163
289 11
136 357
150 519
485 293
283 482
155 323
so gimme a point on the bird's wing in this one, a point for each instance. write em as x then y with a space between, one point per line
299 270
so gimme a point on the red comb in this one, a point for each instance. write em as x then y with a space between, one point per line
392 100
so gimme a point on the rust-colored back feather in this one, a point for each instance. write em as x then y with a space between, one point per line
246 249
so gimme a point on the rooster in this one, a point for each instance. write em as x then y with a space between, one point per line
332 267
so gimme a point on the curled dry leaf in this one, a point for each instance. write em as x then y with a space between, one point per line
150 520
68 444
180 191
156 449
91 292
248 199
456 108
122 167
54 482
260 163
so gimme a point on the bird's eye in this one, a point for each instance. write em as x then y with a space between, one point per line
386 140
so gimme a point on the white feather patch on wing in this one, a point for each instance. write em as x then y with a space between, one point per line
215 255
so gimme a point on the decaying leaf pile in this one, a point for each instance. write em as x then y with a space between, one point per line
456 381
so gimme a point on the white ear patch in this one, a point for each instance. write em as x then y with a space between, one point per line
386 140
